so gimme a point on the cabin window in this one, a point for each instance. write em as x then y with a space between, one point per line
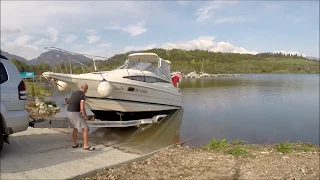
151 79
147 79
163 81
136 78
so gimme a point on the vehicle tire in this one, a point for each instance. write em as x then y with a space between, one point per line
1 140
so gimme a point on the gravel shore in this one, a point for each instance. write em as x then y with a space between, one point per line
246 162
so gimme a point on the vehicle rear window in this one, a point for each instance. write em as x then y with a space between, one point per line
3 74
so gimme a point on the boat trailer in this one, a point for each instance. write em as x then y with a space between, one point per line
97 123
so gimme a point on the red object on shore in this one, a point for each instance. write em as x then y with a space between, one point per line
175 79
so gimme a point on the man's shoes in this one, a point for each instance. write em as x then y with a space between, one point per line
89 148
78 145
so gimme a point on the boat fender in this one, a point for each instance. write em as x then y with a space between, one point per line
62 86
104 88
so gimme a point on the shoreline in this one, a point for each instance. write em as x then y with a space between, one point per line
223 160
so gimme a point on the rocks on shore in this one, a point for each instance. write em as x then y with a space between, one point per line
41 108
197 163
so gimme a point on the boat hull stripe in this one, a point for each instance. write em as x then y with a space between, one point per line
132 101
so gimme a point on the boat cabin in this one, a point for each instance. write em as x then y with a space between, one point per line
144 62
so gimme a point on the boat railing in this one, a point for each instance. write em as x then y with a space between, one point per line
127 65
68 53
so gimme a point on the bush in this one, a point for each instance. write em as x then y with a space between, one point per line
238 151
284 147
215 144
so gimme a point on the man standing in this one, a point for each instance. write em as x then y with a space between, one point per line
176 79
77 116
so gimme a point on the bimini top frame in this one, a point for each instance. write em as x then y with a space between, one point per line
65 52
134 61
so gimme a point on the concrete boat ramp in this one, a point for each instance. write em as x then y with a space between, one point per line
46 153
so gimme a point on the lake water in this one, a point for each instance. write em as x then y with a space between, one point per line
255 108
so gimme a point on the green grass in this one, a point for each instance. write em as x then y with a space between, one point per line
37 90
306 147
235 148
216 144
238 151
284 147
239 148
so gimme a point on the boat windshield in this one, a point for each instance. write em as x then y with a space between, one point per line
163 69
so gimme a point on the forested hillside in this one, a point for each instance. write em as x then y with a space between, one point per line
212 62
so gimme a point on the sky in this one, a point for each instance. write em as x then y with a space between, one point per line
106 28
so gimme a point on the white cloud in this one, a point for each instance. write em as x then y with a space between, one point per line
229 19
105 45
22 40
137 48
26 51
93 39
298 20
53 34
202 43
70 38
183 3
273 7
57 23
132 29
77 46
92 50
91 31
207 43
48 25
9 30
35 15
40 42
207 11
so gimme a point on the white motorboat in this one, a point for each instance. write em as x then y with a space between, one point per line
135 90
202 75
192 74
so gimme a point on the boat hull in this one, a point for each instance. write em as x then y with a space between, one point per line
121 105
128 116
131 98
127 95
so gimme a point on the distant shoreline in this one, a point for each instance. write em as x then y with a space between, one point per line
188 61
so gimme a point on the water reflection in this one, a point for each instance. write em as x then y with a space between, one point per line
141 141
